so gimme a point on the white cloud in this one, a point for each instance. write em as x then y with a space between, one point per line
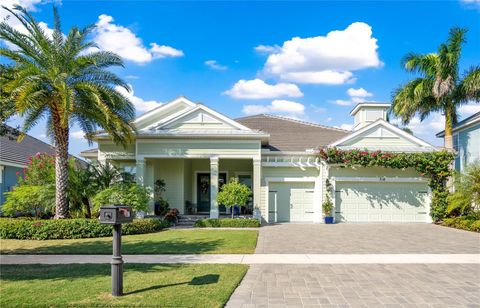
132 77
356 96
471 3
258 89
78 134
268 49
346 126
469 109
140 104
285 107
360 92
29 5
213 64
326 59
126 44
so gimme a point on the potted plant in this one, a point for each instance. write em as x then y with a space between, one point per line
327 210
161 206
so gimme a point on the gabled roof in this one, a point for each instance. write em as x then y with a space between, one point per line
416 144
292 135
471 120
18 153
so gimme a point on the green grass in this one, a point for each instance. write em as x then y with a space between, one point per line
164 242
201 285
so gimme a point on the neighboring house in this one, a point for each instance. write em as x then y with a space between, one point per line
14 157
196 149
466 141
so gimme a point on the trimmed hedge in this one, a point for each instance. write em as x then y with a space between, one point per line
227 223
463 222
32 229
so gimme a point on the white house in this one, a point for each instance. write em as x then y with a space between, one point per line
196 149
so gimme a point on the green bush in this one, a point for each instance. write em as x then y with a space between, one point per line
227 223
28 200
34 229
130 194
469 223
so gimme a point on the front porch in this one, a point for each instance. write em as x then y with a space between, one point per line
192 184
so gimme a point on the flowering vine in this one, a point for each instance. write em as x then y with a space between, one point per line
433 165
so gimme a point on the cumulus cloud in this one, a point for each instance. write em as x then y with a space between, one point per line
276 107
469 109
125 43
78 134
213 64
140 104
268 49
326 59
258 89
346 126
356 96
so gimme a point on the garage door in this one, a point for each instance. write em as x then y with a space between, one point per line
291 202
381 202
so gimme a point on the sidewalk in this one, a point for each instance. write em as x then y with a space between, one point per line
252 259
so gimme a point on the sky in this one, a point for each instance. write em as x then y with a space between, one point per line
305 60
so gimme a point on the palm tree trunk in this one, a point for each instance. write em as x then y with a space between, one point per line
448 143
61 171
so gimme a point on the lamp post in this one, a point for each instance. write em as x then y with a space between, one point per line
116 215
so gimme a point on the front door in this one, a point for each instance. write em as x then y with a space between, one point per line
203 191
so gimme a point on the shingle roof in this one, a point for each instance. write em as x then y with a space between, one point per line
15 152
292 135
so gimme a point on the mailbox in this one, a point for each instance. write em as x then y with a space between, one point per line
116 214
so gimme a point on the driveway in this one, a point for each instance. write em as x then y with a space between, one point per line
366 238
361 285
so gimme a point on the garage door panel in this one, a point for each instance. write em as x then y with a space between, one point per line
294 201
381 202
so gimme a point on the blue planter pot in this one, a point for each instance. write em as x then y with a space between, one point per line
329 220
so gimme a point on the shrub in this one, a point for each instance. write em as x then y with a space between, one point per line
469 223
467 191
327 207
227 223
28 200
32 229
234 193
130 194
172 215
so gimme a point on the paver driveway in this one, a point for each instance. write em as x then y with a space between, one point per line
366 238
362 285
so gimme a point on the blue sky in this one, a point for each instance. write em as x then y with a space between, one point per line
310 60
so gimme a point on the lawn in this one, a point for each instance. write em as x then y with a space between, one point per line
164 242
205 285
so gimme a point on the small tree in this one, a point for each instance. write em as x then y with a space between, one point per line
328 207
234 193
467 191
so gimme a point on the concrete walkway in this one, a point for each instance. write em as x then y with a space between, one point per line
252 259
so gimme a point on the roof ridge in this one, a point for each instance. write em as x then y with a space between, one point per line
296 121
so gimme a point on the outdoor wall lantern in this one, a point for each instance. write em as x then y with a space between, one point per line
116 215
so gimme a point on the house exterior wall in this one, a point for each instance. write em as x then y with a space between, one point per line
468 147
8 179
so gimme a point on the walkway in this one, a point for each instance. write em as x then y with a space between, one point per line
252 259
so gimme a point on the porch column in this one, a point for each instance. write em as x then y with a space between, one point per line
140 172
317 198
257 170
213 187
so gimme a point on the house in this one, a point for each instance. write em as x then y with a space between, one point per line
196 150
14 157
466 141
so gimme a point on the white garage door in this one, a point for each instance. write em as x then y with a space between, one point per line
291 202
381 202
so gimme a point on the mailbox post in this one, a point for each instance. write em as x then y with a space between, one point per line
116 215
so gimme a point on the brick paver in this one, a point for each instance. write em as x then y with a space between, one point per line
362 285
366 238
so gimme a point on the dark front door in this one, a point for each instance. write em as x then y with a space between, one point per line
203 191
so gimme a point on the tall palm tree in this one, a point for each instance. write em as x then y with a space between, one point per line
440 87
57 78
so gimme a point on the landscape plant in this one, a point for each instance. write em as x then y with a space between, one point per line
467 191
327 207
161 205
440 87
131 194
26 200
434 165
234 193
63 78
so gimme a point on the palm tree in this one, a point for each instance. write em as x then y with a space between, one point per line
57 78
440 88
